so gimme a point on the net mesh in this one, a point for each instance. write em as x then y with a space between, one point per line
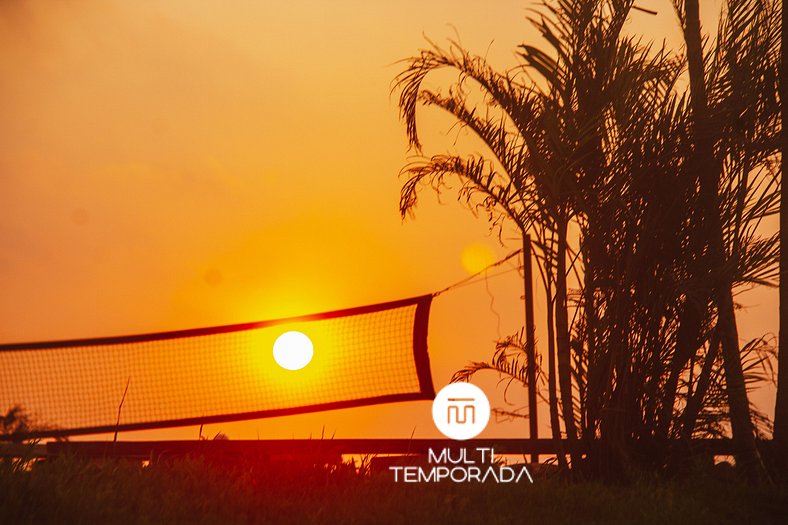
362 356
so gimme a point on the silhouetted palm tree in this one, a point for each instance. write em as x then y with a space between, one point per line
733 121
781 404
593 135
549 166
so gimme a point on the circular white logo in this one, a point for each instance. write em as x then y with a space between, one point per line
461 411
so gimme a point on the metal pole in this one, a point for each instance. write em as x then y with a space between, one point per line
530 344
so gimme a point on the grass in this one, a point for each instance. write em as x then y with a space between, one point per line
187 490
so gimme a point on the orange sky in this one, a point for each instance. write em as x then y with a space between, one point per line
178 164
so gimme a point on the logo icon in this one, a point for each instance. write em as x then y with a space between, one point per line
461 411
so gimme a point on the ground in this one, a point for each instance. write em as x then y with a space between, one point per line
184 490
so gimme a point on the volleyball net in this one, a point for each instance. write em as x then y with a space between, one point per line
361 356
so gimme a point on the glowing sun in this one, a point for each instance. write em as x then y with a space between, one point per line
293 350
476 257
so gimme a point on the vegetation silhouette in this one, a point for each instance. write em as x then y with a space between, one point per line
781 402
644 174
16 426
15 422
258 491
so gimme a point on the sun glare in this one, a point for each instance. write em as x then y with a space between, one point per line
476 257
293 350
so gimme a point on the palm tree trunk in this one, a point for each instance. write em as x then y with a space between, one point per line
530 344
563 344
555 423
591 325
781 405
687 342
709 172
741 423
695 402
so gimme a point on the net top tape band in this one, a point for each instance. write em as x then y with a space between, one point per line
222 329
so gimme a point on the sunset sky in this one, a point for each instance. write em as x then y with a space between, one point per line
178 164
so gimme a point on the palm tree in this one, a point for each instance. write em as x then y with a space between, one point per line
503 186
781 404
739 88
593 135
705 163
547 140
